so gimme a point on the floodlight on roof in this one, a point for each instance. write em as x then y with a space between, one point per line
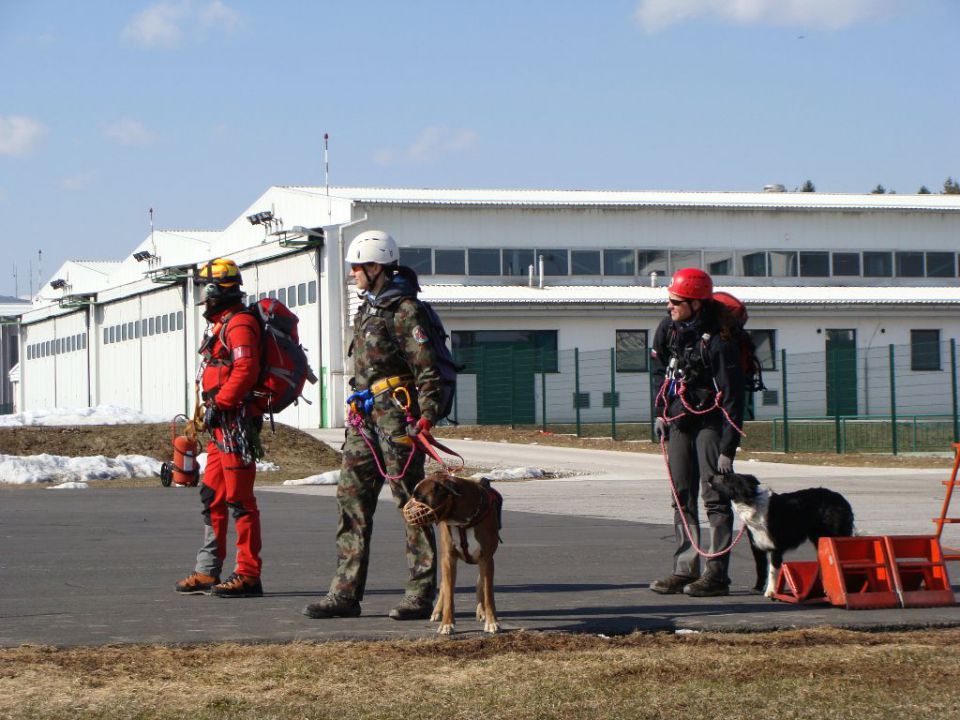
143 255
58 284
261 218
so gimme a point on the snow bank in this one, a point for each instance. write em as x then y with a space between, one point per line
331 477
520 473
22 469
100 415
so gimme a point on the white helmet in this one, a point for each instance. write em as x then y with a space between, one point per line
373 246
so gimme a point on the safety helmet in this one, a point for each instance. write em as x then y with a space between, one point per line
373 246
221 280
691 284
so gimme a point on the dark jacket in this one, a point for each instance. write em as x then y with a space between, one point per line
708 364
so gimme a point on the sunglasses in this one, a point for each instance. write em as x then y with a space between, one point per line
675 301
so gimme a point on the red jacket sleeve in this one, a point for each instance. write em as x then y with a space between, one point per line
242 337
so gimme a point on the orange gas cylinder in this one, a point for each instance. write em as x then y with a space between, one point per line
184 470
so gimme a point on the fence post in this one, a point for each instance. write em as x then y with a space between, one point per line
953 387
783 383
893 400
543 389
836 400
613 393
576 385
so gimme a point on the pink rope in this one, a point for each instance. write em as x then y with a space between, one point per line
356 421
673 486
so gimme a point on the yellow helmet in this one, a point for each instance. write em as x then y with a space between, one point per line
222 272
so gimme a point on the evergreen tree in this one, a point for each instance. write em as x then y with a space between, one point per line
951 187
808 186
924 190
879 190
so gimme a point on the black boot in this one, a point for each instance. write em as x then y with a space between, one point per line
412 607
708 586
333 606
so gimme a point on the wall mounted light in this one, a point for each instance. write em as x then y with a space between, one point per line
261 218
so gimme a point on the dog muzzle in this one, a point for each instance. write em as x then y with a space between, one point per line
419 514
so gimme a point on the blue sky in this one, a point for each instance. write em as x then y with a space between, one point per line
195 107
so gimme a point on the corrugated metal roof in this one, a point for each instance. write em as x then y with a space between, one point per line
637 295
615 198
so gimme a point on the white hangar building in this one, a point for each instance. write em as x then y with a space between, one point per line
816 270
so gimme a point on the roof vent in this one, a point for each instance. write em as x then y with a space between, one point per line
774 188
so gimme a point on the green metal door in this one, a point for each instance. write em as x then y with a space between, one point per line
841 361
505 383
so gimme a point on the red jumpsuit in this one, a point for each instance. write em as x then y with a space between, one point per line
232 365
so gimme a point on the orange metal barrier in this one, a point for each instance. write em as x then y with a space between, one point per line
949 553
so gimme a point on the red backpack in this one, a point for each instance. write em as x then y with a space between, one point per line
284 368
752 372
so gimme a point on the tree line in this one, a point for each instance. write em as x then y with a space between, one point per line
950 187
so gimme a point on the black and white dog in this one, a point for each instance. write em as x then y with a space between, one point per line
781 522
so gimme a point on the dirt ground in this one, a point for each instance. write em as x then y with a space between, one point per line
535 436
295 452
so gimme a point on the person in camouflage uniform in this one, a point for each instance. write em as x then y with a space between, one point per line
390 349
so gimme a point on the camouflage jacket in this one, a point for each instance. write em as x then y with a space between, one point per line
378 353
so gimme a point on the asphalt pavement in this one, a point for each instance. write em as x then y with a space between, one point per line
97 566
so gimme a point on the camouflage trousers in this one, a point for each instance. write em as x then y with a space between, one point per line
360 484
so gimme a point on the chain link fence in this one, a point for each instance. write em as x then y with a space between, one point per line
889 399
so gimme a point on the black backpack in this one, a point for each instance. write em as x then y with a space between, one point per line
446 365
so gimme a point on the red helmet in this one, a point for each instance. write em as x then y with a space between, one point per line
691 284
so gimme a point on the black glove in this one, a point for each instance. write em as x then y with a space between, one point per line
725 464
211 416
660 430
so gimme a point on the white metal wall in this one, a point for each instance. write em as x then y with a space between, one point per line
54 357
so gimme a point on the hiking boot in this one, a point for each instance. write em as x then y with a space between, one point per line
707 586
671 585
238 586
412 607
333 606
196 584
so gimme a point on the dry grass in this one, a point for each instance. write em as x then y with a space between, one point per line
795 674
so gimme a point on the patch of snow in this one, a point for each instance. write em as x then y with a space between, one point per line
520 473
22 469
69 486
331 477
100 415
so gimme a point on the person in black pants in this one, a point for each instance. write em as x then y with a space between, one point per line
696 356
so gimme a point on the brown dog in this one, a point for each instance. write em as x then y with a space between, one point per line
458 505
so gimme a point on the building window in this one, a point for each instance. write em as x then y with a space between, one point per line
753 264
846 264
766 344
584 262
123 331
272 294
909 264
685 259
180 320
282 295
782 264
814 264
719 263
312 291
144 326
291 297
877 264
449 262
106 336
651 261
83 341
301 293
631 351
517 262
554 262
483 261
619 262
924 349
113 335
165 323
417 259
941 264
150 326
173 321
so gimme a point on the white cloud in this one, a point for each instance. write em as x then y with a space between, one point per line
80 181
655 15
430 145
19 135
129 132
166 24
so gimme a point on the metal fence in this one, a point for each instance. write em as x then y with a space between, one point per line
887 399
